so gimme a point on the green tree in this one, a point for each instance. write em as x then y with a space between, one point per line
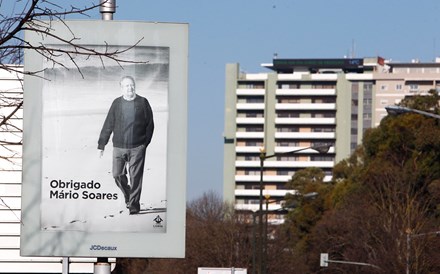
308 203
387 188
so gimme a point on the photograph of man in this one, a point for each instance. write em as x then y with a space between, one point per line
130 120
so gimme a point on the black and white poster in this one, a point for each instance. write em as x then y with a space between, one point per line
110 168
105 140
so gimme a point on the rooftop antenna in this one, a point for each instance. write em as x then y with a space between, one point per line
353 49
107 8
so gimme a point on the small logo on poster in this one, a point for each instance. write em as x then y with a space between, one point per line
158 220
102 247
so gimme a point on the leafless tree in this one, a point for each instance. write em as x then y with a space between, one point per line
37 17
216 236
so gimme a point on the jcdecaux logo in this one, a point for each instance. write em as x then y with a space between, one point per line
103 247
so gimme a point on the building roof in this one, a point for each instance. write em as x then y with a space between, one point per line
290 65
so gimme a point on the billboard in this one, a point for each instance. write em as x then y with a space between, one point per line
104 145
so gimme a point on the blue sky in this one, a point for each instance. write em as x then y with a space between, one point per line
249 32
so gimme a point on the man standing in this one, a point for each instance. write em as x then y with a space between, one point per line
130 119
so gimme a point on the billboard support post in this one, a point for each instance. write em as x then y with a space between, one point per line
107 8
65 265
102 266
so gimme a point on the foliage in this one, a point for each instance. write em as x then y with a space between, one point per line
389 187
424 103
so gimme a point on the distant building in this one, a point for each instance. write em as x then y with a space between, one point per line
302 103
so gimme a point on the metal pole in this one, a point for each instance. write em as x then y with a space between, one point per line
254 244
408 250
260 215
65 265
107 8
263 157
265 235
102 266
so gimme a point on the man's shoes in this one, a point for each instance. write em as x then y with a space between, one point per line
134 211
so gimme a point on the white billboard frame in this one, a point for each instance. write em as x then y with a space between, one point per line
35 238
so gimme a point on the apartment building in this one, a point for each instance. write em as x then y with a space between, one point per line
302 103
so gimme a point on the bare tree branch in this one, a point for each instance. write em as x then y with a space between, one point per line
36 16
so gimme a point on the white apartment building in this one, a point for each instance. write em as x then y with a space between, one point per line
301 103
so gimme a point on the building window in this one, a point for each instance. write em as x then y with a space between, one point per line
287 129
321 158
399 87
252 172
287 158
287 144
367 115
323 129
323 85
288 85
323 115
384 87
251 158
288 100
413 87
254 129
355 87
251 85
254 100
253 143
288 114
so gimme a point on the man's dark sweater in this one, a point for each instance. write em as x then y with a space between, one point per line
131 123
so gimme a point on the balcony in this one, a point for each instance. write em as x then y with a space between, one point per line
249 149
256 192
286 164
250 106
300 106
249 120
305 135
250 91
252 135
305 121
307 91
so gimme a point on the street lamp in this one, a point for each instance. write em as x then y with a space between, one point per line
263 156
396 110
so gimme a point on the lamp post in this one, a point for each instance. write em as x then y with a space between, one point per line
263 157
